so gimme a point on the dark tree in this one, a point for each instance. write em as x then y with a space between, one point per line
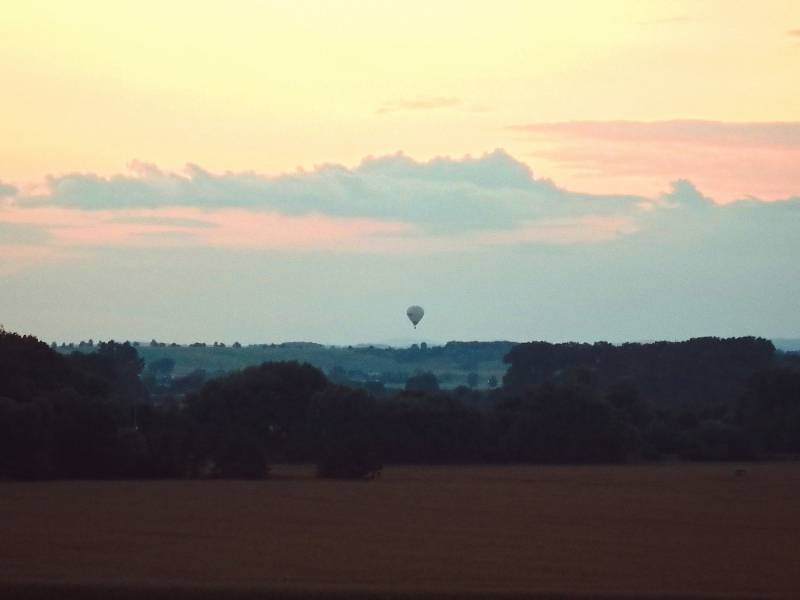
561 423
422 382
697 371
60 415
343 424
265 405
770 409
473 379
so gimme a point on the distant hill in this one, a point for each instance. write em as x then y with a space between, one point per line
452 362
787 344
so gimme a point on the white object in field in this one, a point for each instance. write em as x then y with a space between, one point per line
415 314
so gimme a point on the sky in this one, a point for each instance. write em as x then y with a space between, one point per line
262 171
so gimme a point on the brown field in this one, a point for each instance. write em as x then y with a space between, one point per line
607 532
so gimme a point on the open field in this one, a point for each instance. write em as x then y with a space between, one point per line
630 531
450 364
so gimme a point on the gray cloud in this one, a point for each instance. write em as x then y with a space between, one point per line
22 233
7 190
490 192
685 194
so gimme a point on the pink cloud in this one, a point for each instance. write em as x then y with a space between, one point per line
716 133
69 230
728 161
242 228
232 228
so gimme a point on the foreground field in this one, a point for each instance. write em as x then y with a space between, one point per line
661 531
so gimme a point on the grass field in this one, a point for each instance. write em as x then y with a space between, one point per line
452 366
635 531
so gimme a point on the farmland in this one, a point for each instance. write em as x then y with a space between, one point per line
451 363
660 530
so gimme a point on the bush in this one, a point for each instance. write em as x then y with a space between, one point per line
343 423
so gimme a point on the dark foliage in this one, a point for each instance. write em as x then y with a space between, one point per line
557 423
260 411
344 434
422 382
694 372
89 415
60 415
422 427
770 410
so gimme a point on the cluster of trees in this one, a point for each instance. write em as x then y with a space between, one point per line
379 381
697 371
66 416
106 414
702 399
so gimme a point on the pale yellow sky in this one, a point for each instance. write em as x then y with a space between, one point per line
270 86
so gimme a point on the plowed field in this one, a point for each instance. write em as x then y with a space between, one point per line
630 531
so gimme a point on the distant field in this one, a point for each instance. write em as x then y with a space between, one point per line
660 531
452 364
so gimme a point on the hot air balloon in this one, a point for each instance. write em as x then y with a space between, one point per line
415 314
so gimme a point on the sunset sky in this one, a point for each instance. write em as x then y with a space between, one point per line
267 171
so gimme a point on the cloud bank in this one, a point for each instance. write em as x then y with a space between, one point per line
393 196
6 190
389 203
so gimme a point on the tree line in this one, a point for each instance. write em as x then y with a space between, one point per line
105 414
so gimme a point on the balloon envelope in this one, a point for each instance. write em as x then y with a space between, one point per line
415 314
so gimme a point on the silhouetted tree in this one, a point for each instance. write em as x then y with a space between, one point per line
343 424
770 409
422 382
697 371
430 427
265 405
473 379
